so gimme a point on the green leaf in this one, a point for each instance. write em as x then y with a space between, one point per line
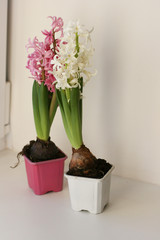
76 117
64 118
53 108
70 111
44 111
67 90
36 113
67 111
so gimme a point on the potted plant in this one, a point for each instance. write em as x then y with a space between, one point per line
43 159
88 177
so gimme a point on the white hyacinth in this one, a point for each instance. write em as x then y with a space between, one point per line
72 60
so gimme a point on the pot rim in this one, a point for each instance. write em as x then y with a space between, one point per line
90 179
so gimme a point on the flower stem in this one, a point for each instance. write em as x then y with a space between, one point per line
54 43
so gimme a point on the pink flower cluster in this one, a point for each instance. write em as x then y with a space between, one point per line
39 61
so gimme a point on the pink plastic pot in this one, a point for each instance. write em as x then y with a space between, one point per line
45 176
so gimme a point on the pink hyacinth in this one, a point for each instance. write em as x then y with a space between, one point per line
57 25
50 79
39 61
49 36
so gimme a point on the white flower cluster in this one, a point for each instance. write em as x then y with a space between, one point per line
72 59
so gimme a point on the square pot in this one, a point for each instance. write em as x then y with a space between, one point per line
45 176
89 193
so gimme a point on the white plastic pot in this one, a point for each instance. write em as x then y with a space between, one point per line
88 193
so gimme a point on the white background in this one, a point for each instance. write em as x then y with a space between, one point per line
3 48
122 103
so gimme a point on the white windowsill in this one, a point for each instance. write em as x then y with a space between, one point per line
133 212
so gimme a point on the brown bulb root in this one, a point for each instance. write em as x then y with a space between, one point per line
84 164
82 158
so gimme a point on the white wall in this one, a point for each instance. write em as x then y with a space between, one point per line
122 103
3 48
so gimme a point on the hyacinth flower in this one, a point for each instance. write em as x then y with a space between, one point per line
43 92
71 72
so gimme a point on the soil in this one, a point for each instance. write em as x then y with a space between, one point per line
99 171
40 150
